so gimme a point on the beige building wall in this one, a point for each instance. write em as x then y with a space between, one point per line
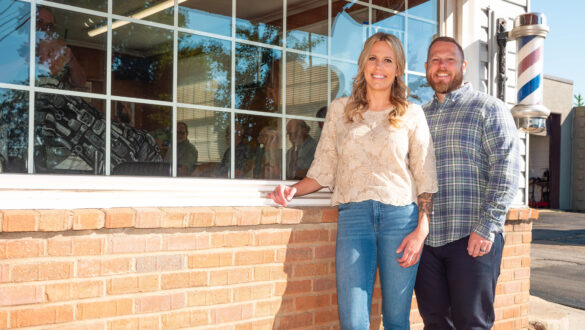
578 180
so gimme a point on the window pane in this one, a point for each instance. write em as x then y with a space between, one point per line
398 5
208 16
142 63
344 74
141 137
420 35
69 134
204 71
101 5
13 130
260 21
66 56
420 91
204 135
307 26
388 22
258 78
302 138
306 84
259 149
349 29
423 8
15 43
149 10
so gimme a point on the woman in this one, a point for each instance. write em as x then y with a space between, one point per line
376 153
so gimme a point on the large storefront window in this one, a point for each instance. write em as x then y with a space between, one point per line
211 89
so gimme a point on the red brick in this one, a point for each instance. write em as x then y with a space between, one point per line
42 271
254 257
20 295
330 214
327 316
294 321
267 308
23 248
523 273
43 315
311 236
325 284
148 217
253 292
325 252
231 313
527 237
184 280
132 284
299 254
175 217
310 269
504 325
182 242
3 320
120 217
159 263
4 273
54 220
201 217
209 259
293 287
524 214
98 267
75 247
534 214
512 262
74 291
224 216
247 216
290 216
134 323
101 309
278 237
513 214
269 215
20 220
134 244
159 303
232 239
85 219
209 297
504 300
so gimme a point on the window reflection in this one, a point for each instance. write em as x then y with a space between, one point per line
344 72
301 144
15 42
423 33
388 22
208 16
69 134
258 78
307 26
142 63
101 5
260 21
423 8
13 130
420 91
349 22
153 10
141 138
306 88
66 57
204 71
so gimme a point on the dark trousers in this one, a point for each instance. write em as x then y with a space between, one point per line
455 290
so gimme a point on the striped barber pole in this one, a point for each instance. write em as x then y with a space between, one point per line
529 63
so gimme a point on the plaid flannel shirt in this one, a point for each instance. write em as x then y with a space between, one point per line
478 164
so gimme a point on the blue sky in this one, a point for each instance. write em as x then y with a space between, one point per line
564 46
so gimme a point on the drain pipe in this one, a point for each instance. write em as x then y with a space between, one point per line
529 31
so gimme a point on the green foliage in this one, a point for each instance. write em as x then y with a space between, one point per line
579 101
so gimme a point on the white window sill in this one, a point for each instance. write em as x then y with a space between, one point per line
22 191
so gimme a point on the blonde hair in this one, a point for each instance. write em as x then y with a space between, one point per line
358 101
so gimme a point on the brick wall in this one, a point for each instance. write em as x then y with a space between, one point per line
209 268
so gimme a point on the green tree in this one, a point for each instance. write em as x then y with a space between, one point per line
579 101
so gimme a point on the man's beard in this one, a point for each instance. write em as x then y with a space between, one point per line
446 87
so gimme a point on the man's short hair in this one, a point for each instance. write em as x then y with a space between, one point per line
446 39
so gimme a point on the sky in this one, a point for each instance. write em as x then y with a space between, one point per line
564 46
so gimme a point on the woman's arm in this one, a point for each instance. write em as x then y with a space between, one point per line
412 244
283 194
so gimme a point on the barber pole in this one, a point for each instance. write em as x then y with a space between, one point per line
530 29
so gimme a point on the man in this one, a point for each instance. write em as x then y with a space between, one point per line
243 152
186 152
300 156
476 146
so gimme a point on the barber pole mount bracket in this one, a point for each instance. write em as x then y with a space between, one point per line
529 31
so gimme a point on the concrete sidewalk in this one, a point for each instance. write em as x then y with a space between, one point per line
546 315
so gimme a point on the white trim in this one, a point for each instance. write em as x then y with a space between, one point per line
22 191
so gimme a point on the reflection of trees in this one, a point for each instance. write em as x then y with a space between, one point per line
13 130
420 90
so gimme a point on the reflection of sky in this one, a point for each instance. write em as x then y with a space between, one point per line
207 22
426 10
300 40
347 37
15 45
419 37
420 91
345 72
393 25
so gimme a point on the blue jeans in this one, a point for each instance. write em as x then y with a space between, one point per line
368 234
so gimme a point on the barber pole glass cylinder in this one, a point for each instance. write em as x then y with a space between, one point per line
530 29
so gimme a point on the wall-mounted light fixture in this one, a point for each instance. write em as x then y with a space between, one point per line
139 15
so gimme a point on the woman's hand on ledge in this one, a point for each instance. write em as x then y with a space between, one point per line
282 194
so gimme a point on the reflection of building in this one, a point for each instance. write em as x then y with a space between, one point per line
212 68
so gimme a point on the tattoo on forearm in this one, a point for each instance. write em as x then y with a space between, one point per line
425 204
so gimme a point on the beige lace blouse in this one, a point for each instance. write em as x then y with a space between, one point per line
372 159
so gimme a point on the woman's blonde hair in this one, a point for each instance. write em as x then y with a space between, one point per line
358 101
